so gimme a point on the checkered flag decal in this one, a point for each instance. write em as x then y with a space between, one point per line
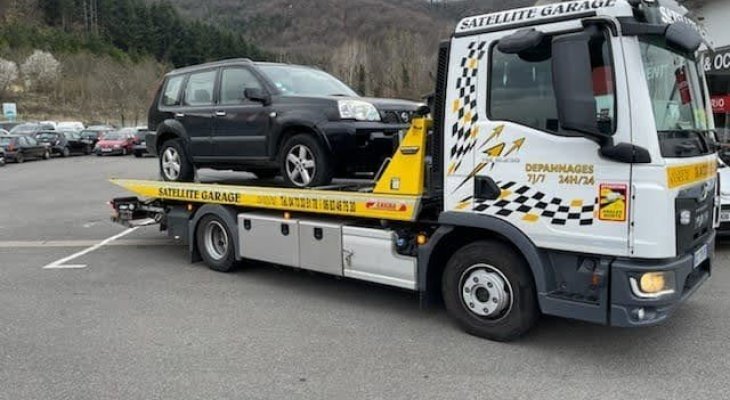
466 105
533 205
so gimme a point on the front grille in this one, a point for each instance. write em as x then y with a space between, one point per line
699 202
396 117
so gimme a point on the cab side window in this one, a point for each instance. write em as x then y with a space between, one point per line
199 90
234 82
521 87
171 94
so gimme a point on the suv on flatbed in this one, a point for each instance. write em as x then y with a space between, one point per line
270 119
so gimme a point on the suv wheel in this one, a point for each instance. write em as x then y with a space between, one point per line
65 152
305 162
174 164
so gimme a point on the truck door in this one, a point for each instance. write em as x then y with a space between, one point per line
508 158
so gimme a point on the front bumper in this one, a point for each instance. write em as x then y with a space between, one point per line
363 146
628 310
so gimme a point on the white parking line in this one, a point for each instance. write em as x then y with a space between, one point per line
59 264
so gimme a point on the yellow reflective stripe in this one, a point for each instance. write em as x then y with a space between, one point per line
363 205
682 175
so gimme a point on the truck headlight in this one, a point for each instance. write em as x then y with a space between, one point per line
651 285
358 110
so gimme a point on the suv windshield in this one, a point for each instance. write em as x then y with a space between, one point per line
303 81
676 88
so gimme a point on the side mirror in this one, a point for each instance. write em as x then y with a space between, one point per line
573 83
683 37
258 95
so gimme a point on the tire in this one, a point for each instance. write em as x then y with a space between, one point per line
87 150
124 152
215 244
47 155
19 158
137 154
66 152
305 163
489 291
172 154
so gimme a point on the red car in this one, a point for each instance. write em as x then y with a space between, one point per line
115 143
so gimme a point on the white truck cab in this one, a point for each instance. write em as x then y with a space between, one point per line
585 126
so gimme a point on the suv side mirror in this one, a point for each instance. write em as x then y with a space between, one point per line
573 82
258 95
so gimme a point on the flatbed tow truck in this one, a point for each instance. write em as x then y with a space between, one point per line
567 169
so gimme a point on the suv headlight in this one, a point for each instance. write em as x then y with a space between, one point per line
358 110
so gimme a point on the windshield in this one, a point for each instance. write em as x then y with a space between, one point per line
303 81
25 129
675 87
113 136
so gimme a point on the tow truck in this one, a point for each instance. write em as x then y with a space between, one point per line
566 167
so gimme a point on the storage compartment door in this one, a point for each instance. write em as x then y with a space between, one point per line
320 247
270 239
369 255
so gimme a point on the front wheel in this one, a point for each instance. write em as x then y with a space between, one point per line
305 162
47 155
66 152
489 291
174 164
215 244
19 158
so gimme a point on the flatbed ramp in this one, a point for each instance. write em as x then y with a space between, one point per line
329 202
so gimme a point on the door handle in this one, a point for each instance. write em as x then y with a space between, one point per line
220 113
179 115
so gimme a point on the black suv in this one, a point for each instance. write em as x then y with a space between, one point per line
271 119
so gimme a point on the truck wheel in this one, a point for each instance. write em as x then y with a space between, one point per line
489 291
215 244
174 164
305 162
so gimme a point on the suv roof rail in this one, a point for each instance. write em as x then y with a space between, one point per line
211 64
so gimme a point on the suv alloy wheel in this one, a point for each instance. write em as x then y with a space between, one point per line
305 163
174 164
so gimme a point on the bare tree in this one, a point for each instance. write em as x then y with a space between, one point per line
8 75
40 70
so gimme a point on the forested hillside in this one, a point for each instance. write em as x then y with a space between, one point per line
380 47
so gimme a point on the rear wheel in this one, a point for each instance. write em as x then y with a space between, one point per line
489 291
66 152
305 162
174 164
47 155
19 158
215 244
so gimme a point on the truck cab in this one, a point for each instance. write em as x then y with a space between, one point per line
582 127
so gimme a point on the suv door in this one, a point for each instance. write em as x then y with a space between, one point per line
241 125
196 111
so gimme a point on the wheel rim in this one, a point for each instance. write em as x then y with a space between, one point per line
216 240
300 165
171 163
486 292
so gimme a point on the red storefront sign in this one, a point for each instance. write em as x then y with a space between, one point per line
721 104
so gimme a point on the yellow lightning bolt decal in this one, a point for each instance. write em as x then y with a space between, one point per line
516 146
472 175
496 133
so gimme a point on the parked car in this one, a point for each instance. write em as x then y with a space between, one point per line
6 126
96 132
70 126
269 119
2 157
30 128
19 148
65 143
115 143
140 147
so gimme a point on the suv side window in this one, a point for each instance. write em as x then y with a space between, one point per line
171 94
31 141
199 90
233 83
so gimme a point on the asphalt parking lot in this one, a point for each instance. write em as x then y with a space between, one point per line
135 320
